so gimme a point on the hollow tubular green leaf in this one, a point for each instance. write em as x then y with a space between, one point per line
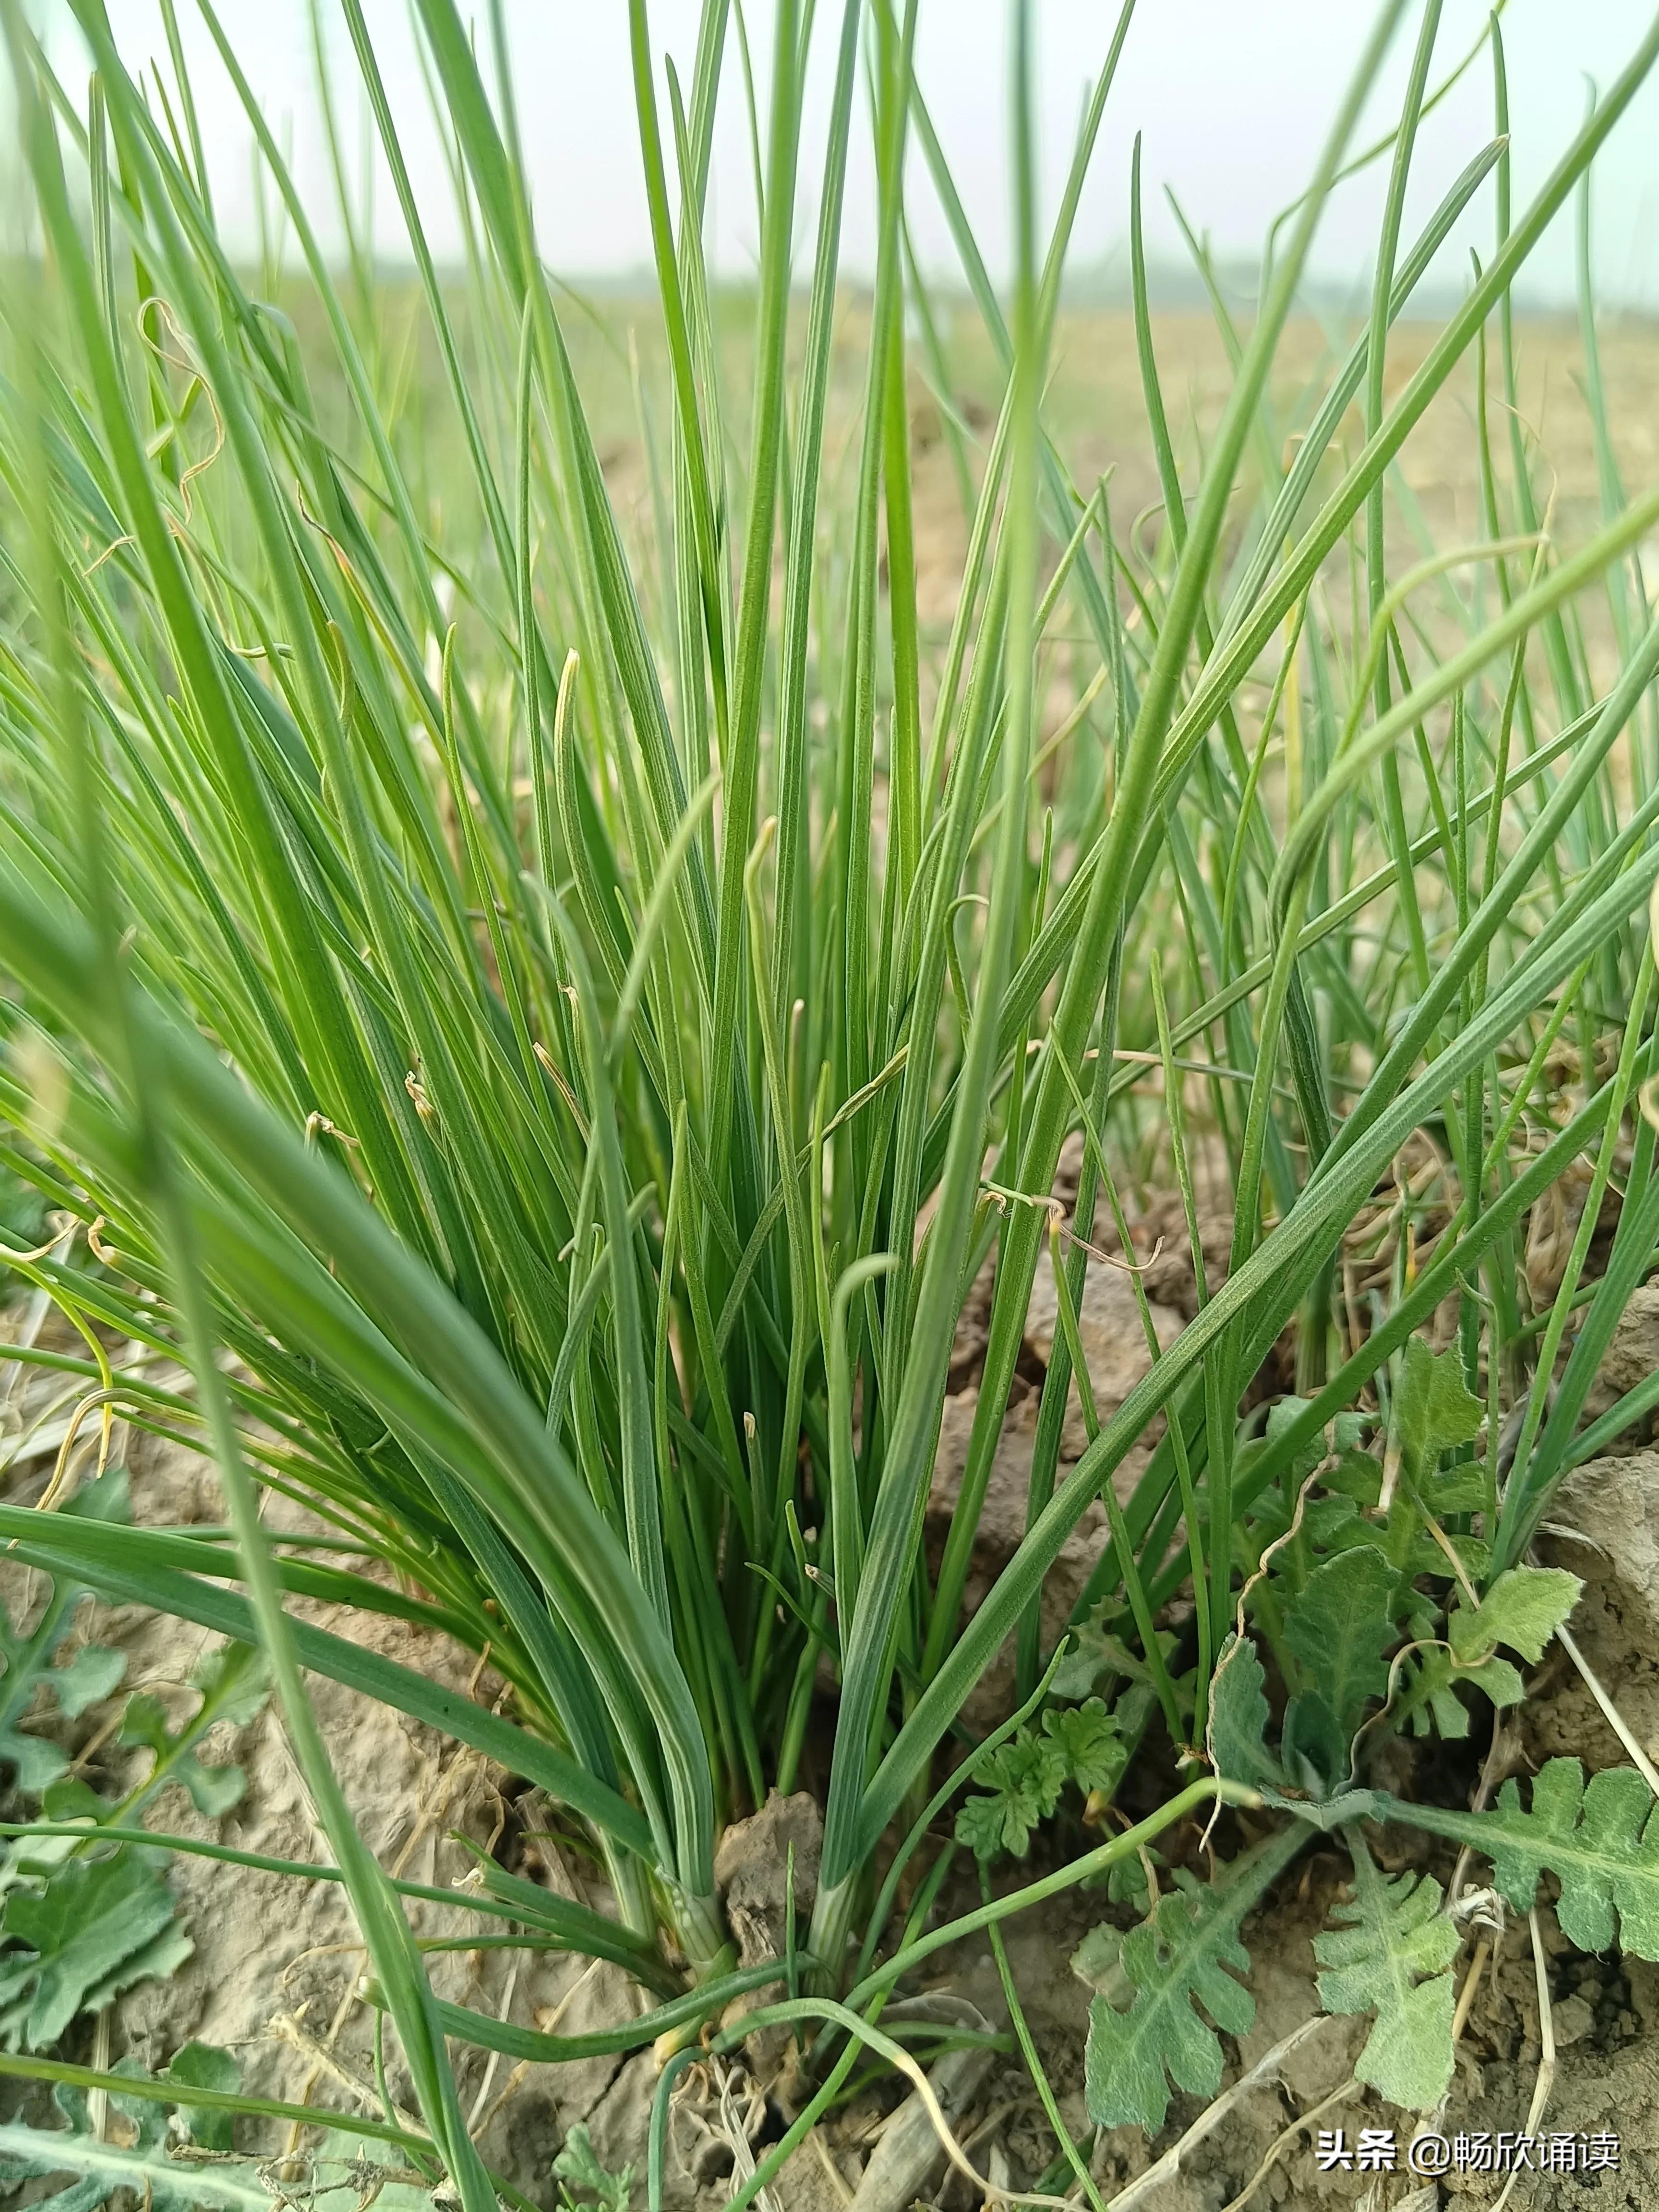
1132 800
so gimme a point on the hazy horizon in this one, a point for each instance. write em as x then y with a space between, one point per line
1233 103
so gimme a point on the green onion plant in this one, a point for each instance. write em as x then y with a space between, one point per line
544 1010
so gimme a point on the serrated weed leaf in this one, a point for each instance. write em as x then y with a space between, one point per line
205 2066
1094 1651
578 2167
82 2195
144 1722
1089 1741
1098 1962
1601 1841
233 1684
84 1935
335 2168
1336 1629
1432 1692
1238 1717
1186 1954
34 1761
989 1827
94 1672
1522 1611
1357 1476
91 1672
1280 1416
1126 1882
1329 1521
1084 1744
1434 1409
158 1960
1316 1748
70 1798
1025 1778
144 2170
80 1680
1327 1815
1392 1955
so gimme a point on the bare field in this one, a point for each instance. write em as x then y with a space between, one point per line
1095 413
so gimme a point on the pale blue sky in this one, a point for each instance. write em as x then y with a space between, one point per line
1232 96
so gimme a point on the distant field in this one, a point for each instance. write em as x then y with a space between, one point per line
1095 412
